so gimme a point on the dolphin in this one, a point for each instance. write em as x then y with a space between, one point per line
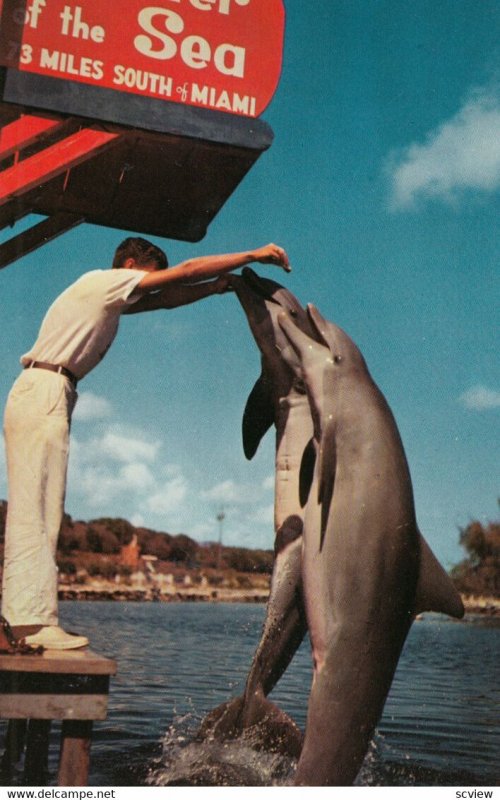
366 569
278 398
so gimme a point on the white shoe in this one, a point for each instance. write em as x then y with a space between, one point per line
52 637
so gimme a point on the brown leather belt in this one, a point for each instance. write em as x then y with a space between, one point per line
53 368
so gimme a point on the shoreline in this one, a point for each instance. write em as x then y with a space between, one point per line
153 595
474 605
480 604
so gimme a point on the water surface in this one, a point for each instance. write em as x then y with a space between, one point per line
440 726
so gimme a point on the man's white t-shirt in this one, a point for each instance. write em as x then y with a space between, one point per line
82 322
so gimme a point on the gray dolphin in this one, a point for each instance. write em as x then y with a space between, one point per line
278 398
366 569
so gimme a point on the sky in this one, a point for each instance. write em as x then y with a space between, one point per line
383 185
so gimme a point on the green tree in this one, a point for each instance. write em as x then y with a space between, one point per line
102 541
479 573
183 549
120 528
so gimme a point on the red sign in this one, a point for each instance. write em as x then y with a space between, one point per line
217 54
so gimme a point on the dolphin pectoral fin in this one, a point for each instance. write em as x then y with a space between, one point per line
326 473
435 589
306 473
258 416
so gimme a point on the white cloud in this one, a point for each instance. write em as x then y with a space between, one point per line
232 493
169 496
264 515
268 483
138 476
122 472
101 484
122 444
462 154
480 398
90 406
128 447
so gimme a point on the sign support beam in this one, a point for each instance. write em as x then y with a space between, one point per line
52 161
36 236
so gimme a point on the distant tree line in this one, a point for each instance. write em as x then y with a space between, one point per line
107 536
479 573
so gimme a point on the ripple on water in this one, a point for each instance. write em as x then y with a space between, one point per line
178 661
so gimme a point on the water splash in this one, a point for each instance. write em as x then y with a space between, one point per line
372 768
184 762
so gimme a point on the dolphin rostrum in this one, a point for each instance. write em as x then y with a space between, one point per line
366 570
278 398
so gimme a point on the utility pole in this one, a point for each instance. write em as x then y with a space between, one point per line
221 516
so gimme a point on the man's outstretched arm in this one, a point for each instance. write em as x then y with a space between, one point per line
207 267
179 295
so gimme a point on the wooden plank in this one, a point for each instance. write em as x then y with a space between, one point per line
54 695
75 662
52 683
24 131
53 706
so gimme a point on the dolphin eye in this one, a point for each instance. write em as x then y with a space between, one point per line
293 312
337 359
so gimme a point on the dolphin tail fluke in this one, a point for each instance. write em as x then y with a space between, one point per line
435 589
265 727
270 729
222 722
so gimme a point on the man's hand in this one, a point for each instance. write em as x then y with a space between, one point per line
272 254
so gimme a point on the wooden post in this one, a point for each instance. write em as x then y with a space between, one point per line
36 760
14 747
74 759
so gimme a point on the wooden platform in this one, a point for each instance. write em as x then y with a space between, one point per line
71 686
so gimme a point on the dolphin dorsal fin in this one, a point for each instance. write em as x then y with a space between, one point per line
258 416
435 589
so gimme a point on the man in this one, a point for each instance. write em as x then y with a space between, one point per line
76 333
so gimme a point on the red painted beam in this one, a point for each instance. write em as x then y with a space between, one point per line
51 162
22 132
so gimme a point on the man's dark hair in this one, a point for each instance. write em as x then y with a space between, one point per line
142 251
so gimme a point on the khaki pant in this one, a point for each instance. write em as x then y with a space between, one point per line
36 427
